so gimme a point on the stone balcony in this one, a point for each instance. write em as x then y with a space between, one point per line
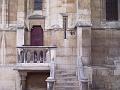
35 57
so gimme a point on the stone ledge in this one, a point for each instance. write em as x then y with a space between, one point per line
83 24
32 66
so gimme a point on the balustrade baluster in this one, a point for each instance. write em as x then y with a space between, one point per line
43 55
22 56
24 50
49 55
35 56
32 56
18 55
28 56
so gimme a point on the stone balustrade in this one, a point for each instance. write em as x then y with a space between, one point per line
35 54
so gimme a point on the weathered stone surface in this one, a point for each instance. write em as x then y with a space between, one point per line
9 80
89 38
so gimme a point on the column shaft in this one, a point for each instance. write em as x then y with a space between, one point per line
21 23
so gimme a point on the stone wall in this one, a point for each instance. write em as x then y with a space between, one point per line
56 9
104 79
105 51
9 78
105 46
12 11
96 12
8 47
66 48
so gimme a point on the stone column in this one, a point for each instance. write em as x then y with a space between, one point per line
84 30
83 54
4 13
84 44
20 23
83 40
23 76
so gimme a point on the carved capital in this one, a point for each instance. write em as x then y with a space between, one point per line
23 75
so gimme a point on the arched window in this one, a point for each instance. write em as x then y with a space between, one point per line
37 4
111 10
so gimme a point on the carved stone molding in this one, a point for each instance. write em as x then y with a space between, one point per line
83 24
55 27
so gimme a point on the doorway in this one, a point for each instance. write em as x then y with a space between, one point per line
36 80
37 35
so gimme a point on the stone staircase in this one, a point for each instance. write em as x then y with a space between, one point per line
66 80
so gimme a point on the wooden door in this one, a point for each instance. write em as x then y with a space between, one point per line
37 36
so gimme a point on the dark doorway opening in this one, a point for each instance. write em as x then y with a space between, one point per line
37 36
36 80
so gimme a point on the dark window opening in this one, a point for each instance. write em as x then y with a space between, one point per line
111 10
65 22
37 4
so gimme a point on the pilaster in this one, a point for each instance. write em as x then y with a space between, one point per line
4 13
83 54
83 13
83 24
20 22
84 44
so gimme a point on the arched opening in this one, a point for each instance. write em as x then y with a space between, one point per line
37 36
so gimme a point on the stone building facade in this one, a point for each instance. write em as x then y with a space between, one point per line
59 44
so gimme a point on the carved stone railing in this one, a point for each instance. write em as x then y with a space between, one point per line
34 54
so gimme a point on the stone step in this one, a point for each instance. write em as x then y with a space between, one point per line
61 81
66 78
66 75
66 83
67 88
66 67
65 71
